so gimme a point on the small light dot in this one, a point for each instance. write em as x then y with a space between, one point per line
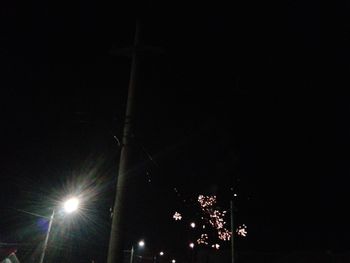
142 243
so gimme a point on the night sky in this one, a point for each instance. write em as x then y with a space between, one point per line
230 95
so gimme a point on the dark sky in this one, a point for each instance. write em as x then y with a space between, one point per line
232 96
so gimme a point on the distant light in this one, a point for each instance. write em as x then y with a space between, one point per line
71 205
141 243
173 261
161 253
191 245
235 195
193 224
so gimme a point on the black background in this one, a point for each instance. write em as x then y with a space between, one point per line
240 94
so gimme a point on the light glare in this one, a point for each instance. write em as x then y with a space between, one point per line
71 205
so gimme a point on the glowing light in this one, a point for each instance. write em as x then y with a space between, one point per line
216 246
161 253
141 243
191 245
193 224
71 205
242 230
177 216
173 261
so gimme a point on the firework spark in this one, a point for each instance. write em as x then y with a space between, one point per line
242 230
206 201
177 216
224 234
203 239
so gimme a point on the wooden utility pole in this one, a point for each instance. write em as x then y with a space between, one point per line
117 235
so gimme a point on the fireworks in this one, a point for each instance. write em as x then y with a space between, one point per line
177 216
242 230
206 201
214 216
203 239
224 234
211 221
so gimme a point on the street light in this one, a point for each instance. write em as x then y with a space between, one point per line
192 245
141 244
70 205
155 258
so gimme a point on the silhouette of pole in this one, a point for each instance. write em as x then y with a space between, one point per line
232 233
117 235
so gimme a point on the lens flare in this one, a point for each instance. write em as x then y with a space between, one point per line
71 205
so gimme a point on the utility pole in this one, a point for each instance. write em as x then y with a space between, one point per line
117 235
232 232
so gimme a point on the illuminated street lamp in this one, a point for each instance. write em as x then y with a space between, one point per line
155 258
192 245
141 244
69 206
